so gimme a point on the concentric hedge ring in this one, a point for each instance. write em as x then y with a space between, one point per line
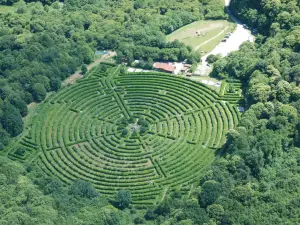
78 133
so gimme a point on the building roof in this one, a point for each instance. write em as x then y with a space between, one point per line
164 66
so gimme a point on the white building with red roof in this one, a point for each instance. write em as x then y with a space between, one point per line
174 68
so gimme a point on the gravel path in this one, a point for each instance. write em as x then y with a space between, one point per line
233 43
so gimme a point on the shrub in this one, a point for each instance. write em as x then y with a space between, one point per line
55 83
124 132
83 189
39 92
123 199
150 215
84 69
20 151
212 58
1 146
139 220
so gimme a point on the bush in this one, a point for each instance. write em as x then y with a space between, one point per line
54 186
20 104
84 69
12 120
212 58
1 146
38 92
131 120
164 208
143 122
123 70
20 151
143 130
83 189
55 84
150 215
123 199
124 132
210 192
139 220
231 89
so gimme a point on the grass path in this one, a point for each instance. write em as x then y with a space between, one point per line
164 194
72 79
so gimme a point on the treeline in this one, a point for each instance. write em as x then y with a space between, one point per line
257 180
174 51
268 16
43 42
31 198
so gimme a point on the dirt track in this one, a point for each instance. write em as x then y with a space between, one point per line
211 39
71 79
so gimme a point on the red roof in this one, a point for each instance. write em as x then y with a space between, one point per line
164 66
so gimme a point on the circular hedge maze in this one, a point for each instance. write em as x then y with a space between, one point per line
147 133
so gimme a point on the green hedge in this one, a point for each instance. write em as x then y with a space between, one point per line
77 136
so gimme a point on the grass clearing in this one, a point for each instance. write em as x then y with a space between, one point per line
5 9
202 35
79 132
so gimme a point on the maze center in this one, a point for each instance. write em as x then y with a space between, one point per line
146 133
134 127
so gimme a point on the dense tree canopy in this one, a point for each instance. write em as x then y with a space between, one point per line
259 174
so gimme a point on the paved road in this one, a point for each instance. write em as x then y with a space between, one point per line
233 43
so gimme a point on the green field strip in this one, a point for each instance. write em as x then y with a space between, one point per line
53 148
122 106
106 120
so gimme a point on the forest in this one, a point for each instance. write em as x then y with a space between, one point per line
257 178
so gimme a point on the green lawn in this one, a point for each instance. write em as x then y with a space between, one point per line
209 31
4 9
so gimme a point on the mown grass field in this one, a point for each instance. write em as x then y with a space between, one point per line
4 9
79 132
209 34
